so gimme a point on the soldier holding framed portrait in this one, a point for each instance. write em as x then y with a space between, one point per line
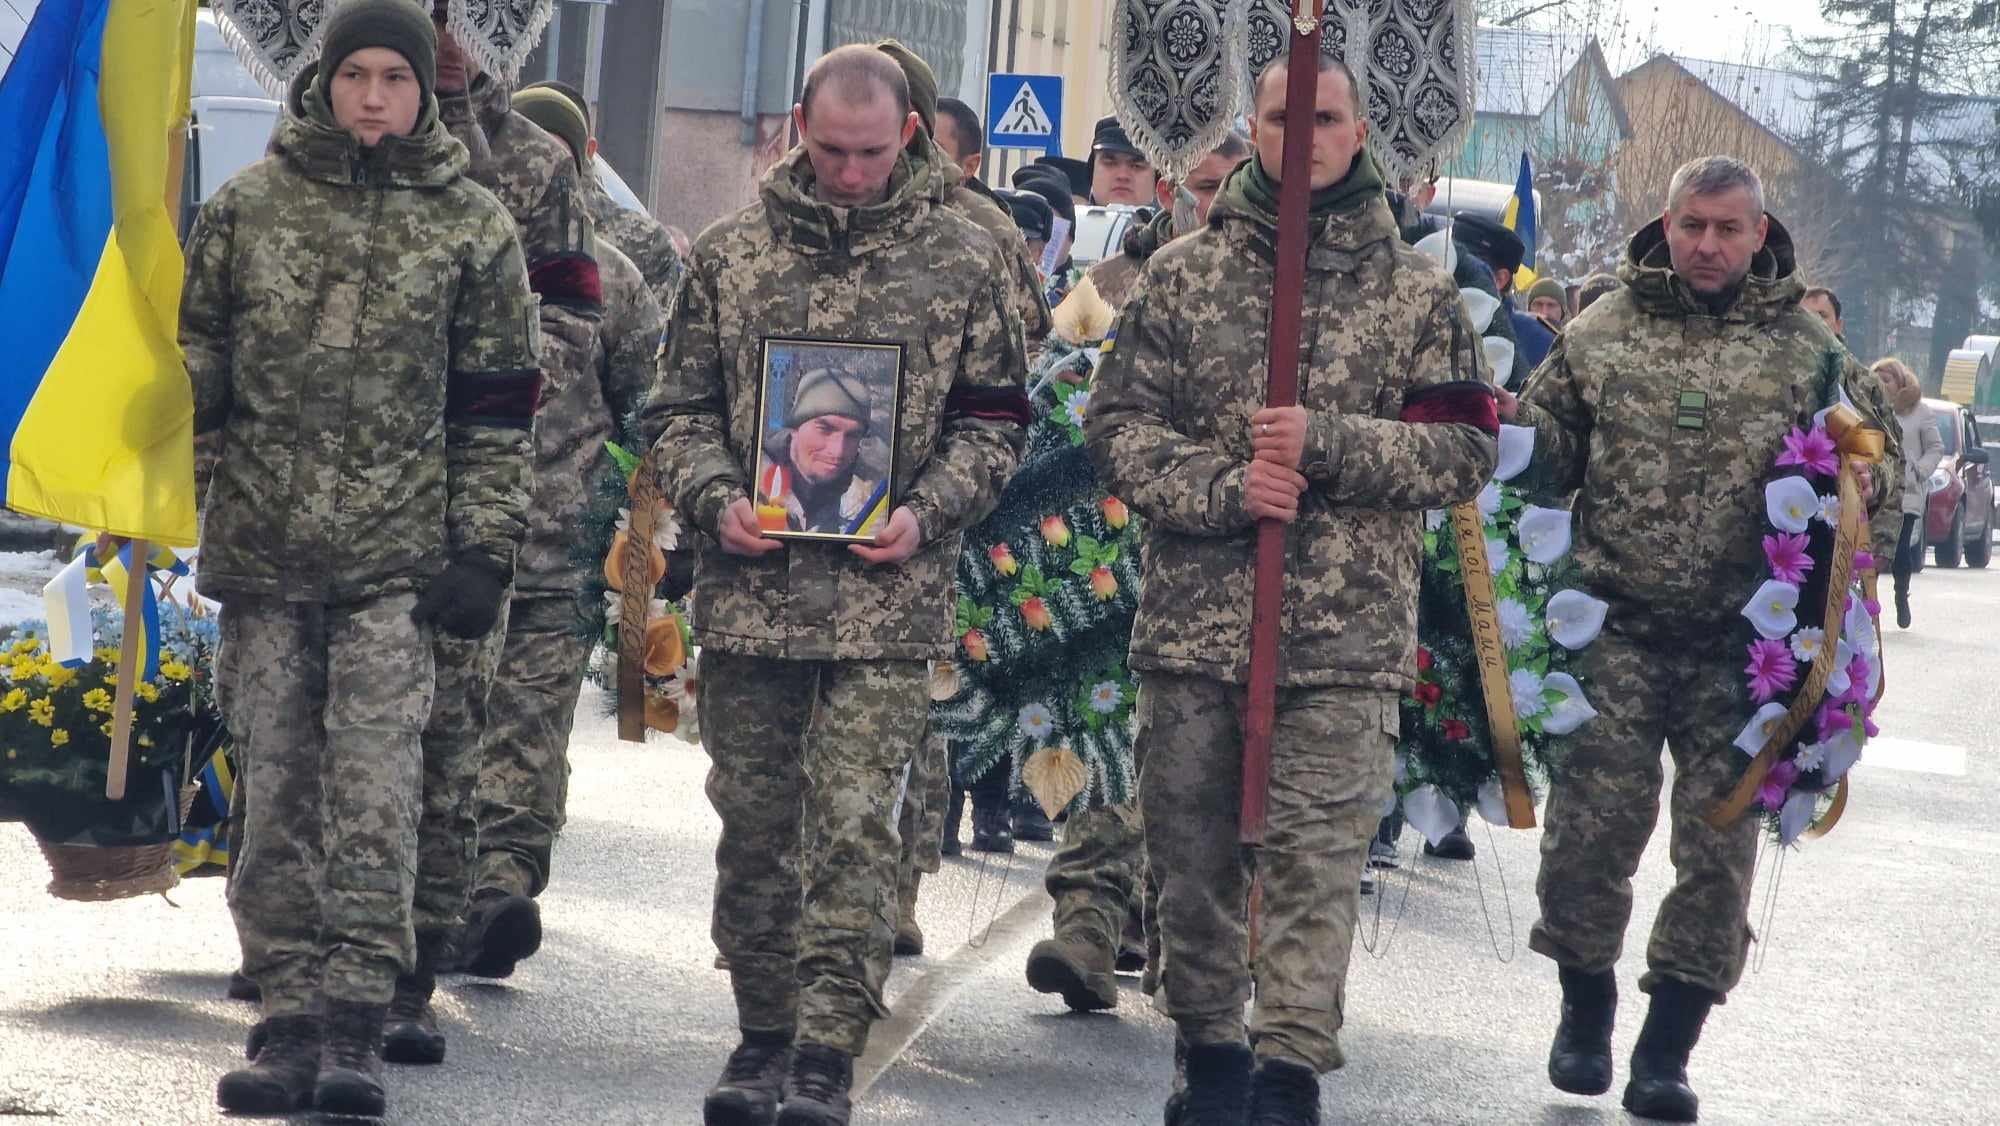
778 401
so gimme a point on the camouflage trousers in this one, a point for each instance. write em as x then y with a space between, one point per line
1604 799
524 767
807 761
1099 881
1331 753
327 703
445 841
921 822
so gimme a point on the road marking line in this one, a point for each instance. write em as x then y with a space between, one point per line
1913 756
925 1001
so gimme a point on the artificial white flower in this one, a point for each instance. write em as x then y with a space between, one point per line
1774 609
1489 500
1829 509
1796 815
1517 625
1492 802
1838 682
1104 697
1544 533
1574 619
1790 503
1572 711
1036 721
1077 406
1429 812
614 606
1482 306
666 530
1842 751
1433 519
1810 757
1517 449
1526 688
1757 732
1499 357
1859 627
1496 554
1807 643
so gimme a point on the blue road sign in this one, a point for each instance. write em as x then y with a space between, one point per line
1024 111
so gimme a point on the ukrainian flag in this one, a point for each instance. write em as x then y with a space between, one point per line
1520 219
94 398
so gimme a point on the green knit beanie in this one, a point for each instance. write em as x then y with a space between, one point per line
923 83
552 111
825 391
1550 288
400 25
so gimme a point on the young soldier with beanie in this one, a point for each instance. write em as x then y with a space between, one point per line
359 331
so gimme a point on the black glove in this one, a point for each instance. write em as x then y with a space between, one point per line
465 601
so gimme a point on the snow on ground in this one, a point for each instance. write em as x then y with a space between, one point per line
17 606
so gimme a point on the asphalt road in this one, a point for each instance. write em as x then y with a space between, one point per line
1871 1001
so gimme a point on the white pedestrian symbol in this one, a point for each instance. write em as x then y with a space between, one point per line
1026 117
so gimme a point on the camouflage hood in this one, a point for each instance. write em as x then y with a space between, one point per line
799 219
1773 287
478 114
1349 220
309 140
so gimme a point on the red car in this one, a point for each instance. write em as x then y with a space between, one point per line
1959 523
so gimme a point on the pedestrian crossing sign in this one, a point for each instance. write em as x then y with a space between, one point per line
1024 111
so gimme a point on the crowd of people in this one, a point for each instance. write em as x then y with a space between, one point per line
413 326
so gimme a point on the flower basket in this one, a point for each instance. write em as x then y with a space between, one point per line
89 873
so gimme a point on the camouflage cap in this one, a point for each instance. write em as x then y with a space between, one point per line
824 391
554 112
923 82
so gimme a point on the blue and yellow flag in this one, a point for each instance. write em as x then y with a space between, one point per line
94 398
1520 219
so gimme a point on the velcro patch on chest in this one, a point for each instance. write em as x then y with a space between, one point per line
1692 412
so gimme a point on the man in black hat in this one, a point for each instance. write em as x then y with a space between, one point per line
1043 181
1119 172
1065 169
1033 215
1501 250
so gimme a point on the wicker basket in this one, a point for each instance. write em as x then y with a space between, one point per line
92 874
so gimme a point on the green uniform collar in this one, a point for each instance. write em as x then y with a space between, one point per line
800 219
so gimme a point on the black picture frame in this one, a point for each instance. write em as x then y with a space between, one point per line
847 489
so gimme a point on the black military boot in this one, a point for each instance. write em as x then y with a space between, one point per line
350 1062
503 930
751 1083
1659 1085
1029 823
1580 1058
410 1035
991 831
1455 845
816 1091
1284 1094
242 988
281 1079
954 817
1218 1086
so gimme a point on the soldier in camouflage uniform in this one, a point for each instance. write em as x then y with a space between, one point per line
1105 902
636 233
1665 404
360 333
536 179
1395 418
814 685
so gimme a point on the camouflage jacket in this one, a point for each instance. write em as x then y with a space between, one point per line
1670 517
908 270
360 336
1115 277
535 177
643 240
1401 420
974 200
577 418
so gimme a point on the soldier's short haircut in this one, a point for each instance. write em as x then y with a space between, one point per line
1235 145
964 122
1708 175
1832 299
1282 65
857 74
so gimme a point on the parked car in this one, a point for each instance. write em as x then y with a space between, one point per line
1959 523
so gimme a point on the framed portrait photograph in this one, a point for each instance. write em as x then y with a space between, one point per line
826 438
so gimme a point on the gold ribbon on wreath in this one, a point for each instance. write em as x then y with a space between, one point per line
636 600
1858 444
1482 609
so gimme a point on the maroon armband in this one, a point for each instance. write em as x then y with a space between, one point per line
1467 401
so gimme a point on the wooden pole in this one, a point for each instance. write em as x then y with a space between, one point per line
128 673
1281 390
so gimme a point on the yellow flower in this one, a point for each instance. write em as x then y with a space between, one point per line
14 701
60 677
106 728
175 670
58 737
27 645
146 692
144 740
97 700
43 711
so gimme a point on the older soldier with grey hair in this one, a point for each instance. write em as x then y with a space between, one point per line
1662 406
